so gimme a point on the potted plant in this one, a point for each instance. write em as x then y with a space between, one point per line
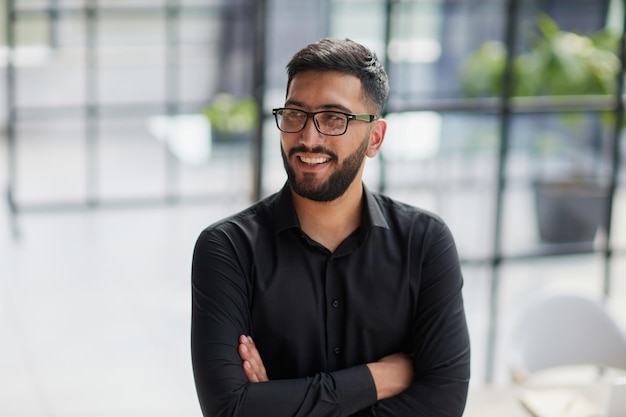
572 202
231 119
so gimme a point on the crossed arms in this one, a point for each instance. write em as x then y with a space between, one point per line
391 374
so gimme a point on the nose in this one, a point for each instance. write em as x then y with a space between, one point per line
310 132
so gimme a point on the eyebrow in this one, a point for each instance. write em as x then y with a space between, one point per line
338 107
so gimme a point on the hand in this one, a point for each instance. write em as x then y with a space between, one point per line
252 362
392 374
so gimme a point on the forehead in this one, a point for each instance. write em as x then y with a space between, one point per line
316 89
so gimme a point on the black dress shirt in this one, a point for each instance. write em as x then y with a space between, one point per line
317 317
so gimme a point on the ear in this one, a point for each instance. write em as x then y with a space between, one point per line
377 135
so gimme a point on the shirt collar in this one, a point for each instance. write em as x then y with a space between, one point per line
287 218
372 213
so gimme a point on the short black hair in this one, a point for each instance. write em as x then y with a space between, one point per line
348 57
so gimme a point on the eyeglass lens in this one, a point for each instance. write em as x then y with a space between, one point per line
326 122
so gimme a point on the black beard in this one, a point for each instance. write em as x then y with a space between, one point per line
337 183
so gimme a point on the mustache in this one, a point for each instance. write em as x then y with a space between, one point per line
315 149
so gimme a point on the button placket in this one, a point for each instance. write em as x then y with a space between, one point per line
333 314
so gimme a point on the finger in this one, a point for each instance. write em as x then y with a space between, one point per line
247 366
248 350
257 362
250 374
244 352
252 362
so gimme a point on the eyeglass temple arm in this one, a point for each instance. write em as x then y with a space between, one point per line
364 117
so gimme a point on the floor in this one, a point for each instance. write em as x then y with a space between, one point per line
94 316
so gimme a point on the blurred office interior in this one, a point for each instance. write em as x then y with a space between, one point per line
111 167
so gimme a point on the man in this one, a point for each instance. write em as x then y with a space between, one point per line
327 299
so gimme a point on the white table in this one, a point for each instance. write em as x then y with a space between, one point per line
506 401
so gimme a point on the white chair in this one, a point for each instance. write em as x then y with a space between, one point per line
567 330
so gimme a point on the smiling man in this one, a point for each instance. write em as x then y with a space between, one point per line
327 299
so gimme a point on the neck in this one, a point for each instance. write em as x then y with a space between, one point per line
329 223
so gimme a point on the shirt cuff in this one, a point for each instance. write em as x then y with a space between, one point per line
355 389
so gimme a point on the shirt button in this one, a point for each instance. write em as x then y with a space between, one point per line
337 350
335 303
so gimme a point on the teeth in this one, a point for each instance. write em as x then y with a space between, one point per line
313 160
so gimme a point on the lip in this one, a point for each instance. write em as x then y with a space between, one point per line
312 162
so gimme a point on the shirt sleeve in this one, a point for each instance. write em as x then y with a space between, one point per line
220 314
440 341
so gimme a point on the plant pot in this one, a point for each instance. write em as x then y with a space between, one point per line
570 210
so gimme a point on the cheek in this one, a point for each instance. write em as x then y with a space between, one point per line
284 143
288 140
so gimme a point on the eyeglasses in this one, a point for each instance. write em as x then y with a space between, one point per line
329 123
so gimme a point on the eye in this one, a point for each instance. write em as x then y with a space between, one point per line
330 117
292 114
